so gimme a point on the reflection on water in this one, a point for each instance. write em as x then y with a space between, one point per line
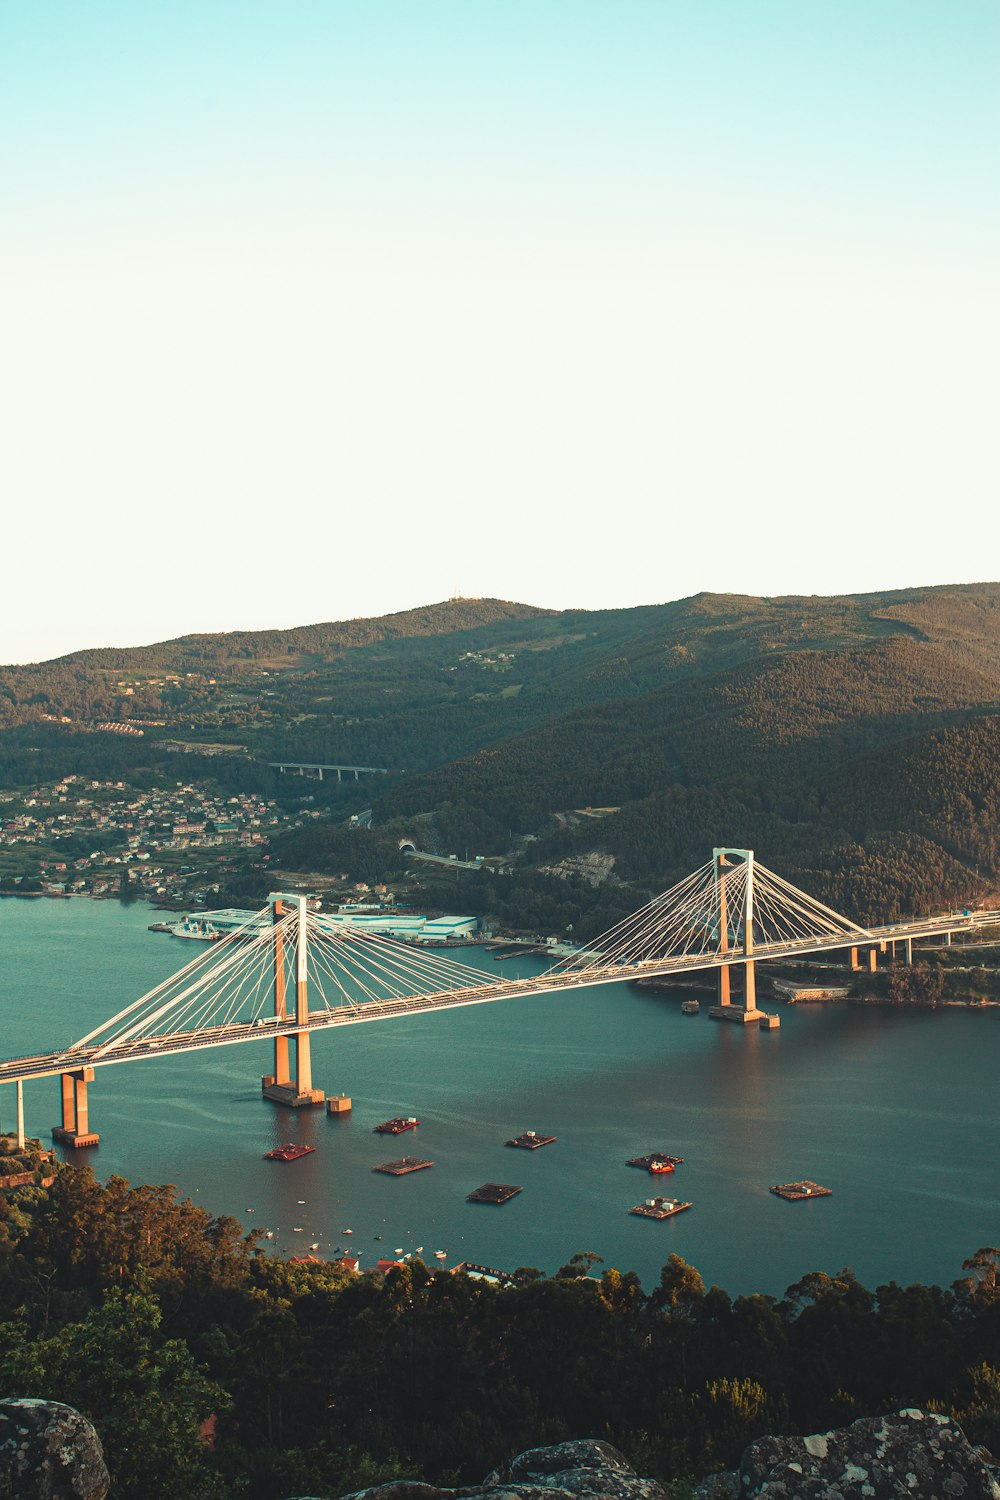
895 1112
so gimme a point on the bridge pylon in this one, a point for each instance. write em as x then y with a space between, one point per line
733 886
75 1128
290 956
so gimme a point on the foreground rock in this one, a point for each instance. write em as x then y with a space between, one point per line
911 1455
49 1452
568 1471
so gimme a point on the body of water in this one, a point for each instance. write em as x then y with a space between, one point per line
896 1111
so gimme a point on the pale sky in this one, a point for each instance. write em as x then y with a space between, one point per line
330 309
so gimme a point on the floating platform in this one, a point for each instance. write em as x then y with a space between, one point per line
404 1165
493 1192
793 1191
646 1162
659 1208
530 1141
291 1152
690 1007
396 1126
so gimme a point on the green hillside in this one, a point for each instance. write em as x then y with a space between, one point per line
851 740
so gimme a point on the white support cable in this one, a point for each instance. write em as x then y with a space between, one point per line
619 936
324 965
428 968
409 967
211 955
841 922
205 1000
665 911
177 1001
238 982
345 932
357 958
352 971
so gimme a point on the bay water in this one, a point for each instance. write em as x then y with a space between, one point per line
896 1111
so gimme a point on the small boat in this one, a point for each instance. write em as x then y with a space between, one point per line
288 1152
269 1234
398 1250
347 1231
377 1236
690 1007
419 1250
396 1126
314 1247
298 1229
659 1168
440 1255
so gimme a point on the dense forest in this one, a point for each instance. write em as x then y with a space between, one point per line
151 1316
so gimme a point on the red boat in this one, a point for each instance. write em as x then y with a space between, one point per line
658 1168
396 1126
288 1153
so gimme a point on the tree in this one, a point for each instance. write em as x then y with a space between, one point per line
145 1395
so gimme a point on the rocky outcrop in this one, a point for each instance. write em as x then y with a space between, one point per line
911 1455
586 1468
594 868
49 1452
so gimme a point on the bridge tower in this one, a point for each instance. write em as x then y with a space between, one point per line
75 1128
735 928
280 1085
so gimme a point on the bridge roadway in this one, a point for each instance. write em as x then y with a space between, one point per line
49 1064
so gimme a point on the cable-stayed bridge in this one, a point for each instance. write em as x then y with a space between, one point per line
292 970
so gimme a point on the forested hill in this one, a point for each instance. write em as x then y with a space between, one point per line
867 774
644 735
222 648
418 689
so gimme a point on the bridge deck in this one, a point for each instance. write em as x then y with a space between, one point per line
48 1064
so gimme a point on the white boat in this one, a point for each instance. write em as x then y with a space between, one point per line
440 1255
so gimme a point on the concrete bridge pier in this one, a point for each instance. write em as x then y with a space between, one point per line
725 1009
75 1128
279 1086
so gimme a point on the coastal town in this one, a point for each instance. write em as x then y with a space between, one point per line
173 845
